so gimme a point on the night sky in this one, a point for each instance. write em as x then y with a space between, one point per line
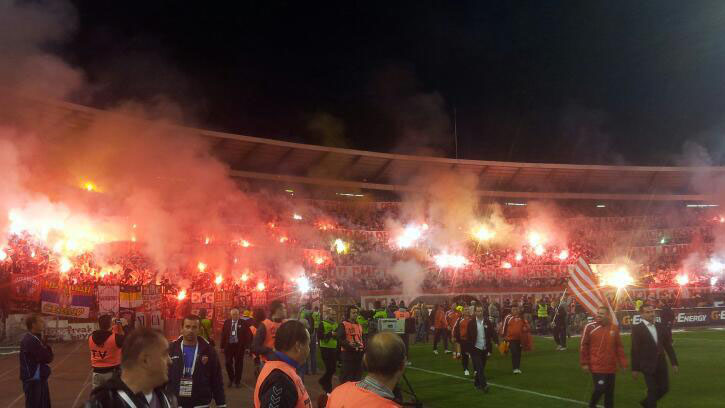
544 81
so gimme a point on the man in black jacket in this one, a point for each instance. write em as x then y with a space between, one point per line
236 337
144 370
195 375
481 335
35 355
558 325
650 342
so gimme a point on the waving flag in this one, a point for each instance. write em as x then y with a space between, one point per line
583 285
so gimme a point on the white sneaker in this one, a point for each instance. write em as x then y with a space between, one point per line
517 371
466 373
435 352
448 352
408 363
562 349
558 348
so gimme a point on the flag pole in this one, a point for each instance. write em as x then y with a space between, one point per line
559 305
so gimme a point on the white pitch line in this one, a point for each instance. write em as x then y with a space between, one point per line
85 385
505 387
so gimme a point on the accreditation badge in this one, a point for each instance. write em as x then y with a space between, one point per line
185 386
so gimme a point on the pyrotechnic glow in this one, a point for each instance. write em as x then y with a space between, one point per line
133 226
296 217
202 266
663 240
260 286
519 257
3 255
89 186
482 233
713 281
410 235
341 246
244 277
618 279
181 295
564 254
446 260
282 240
64 265
539 250
506 265
535 239
244 243
133 239
218 280
207 240
682 280
32 253
319 260
714 265
303 284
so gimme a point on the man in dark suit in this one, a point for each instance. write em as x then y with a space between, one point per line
480 336
236 337
650 342
35 355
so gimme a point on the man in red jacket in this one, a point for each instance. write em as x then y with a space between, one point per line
601 351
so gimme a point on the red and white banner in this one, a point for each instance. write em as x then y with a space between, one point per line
583 284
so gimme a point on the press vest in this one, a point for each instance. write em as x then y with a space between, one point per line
542 311
327 328
353 332
303 399
350 395
106 355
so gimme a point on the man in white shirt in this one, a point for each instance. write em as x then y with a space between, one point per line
480 335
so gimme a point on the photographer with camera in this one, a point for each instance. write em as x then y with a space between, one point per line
385 362
105 346
349 336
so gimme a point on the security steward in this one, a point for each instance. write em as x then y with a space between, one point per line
327 333
195 374
349 336
542 315
263 343
105 347
403 314
278 385
385 361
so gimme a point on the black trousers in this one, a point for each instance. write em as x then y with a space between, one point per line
479 358
560 335
234 358
406 342
603 385
465 351
515 348
658 383
37 394
437 336
329 357
351 366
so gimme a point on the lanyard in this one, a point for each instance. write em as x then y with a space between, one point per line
193 365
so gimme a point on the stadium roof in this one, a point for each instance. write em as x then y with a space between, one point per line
295 163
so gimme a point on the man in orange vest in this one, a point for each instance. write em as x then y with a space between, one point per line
278 385
516 331
440 328
263 343
105 347
404 314
385 361
349 337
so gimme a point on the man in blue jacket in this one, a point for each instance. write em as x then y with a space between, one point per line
35 355
195 375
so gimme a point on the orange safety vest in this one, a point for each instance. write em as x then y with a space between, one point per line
107 354
350 395
270 328
402 315
353 332
303 399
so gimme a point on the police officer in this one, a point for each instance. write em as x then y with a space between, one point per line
327 333
195 375
105 346
349 336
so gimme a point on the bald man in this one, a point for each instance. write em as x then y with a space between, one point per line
385 360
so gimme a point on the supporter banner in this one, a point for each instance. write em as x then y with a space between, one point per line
130 297
24 287
203 300
152 297
66 300
223 302
685 317
108 299
149 319
81 331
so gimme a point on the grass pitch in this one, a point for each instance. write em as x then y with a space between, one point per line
553 378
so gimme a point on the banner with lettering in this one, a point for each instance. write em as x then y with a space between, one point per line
684 317
130 297
152 297
61 299
24 287
223 302
202 300
108 299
